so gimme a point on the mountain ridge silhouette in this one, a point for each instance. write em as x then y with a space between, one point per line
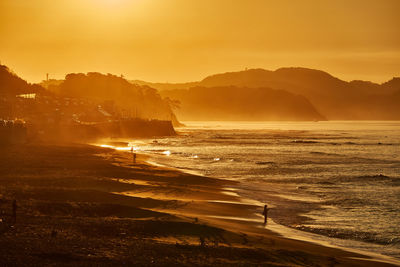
333 98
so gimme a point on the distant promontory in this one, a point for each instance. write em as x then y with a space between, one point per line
325 95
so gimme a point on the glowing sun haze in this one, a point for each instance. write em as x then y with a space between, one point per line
185 40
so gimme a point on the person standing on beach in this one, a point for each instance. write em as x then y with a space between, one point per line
265 213
133 155
14 211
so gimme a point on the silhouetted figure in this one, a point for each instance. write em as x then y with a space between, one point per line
14 211
53 234
202 242
265 213
2 215
133 155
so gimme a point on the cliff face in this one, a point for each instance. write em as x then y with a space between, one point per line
130 128
241 103
135 128
93 132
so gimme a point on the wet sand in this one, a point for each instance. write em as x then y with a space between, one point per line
85 205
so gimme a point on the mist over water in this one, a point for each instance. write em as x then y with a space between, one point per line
337 179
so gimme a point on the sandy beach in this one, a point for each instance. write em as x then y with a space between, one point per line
85 205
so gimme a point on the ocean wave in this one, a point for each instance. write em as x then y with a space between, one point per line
332 181
323 153
363 179
341 233
265 162
273 169
305 142
351 202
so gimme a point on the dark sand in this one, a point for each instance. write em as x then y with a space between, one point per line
90 206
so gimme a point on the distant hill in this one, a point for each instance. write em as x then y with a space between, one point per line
12 85
332 97
241 103
166 86
393 85
136 100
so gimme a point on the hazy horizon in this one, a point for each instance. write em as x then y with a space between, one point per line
182 41
62 76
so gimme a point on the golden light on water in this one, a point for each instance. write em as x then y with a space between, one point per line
127 148
106 146
167 153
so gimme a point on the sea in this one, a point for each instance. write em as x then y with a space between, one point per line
339 180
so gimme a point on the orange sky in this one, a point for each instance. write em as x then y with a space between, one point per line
186 40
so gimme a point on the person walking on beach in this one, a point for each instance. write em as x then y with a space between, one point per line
14 211
265 213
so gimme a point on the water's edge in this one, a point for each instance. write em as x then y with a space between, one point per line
292 233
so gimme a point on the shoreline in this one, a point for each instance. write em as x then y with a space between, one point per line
311 237
282 230
74 209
